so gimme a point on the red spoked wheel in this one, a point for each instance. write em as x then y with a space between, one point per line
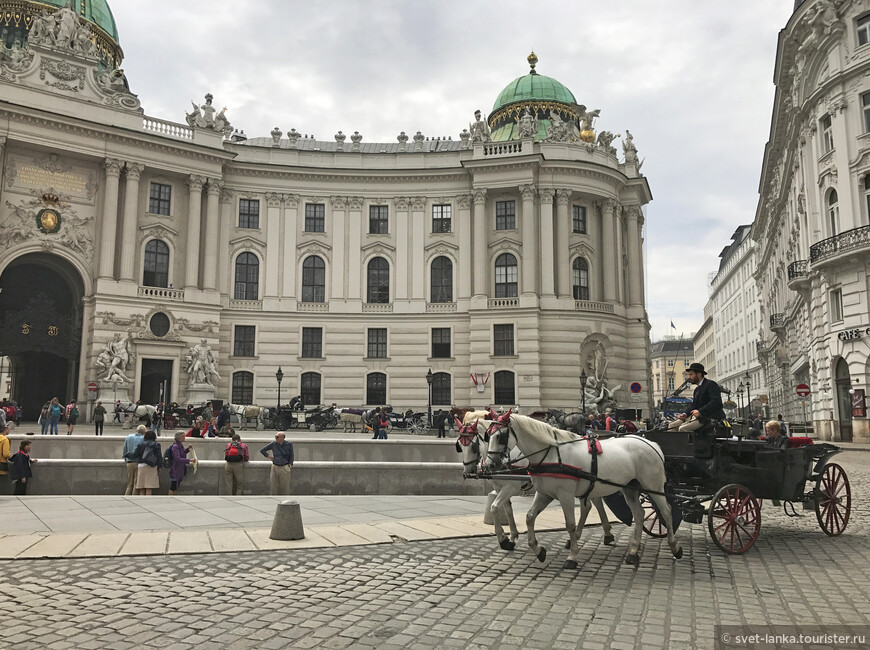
833 500
734 519
652 523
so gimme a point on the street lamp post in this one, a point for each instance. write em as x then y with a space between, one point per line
740 397
279 376
746 379
429 405
583 379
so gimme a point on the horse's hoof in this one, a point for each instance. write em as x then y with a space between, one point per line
609 540
678 554
542 554
507 545
632 559
567 543
570 564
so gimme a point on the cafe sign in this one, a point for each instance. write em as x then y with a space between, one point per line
854 335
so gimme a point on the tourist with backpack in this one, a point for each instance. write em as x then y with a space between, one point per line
5 452
54 412
178 462
20 468
45 417
147 472
235 455
72 416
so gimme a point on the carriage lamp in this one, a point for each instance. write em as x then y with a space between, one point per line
583 379
429 405
279 376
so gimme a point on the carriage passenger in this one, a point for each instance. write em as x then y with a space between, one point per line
774 437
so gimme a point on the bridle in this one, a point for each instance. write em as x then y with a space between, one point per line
500 458
469 439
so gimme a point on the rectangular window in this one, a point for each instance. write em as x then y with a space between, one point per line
865 106
378 220
505 215
503 340
249 213
315 217
580 219
441 218
671 383
827 134
159 199
836 305
440 342
243 344
312 342
670 363
377 343
864 30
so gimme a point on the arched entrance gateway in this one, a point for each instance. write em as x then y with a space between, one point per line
41 329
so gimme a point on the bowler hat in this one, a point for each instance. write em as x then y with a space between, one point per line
697 367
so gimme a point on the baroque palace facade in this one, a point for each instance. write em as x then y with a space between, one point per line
812 226
142 253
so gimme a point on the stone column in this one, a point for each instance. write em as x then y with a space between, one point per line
530 257
354 243
273 242
194 216
479 242
635 268
418 219
212 233
563 234
403 247
548 269
291 215
608 249
109 226
462 226
227 196
339 207
128 234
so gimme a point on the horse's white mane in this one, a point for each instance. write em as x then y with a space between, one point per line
471 416
541 432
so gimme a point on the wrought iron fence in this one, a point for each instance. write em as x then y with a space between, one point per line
845 241
798 269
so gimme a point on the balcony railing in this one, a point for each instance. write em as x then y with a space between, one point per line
312 306
247 305
502 148
171 129
440 307
777 322
590 305
798 270
162 293
377 307
851 240
503 303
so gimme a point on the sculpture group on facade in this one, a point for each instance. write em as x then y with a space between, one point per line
201 364
479 129
62 29
527 126
114 359
204 117
15 58
21 227
599 397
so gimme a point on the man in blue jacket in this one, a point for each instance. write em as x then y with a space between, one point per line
706 400
280 452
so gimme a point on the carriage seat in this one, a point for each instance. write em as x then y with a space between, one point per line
796 442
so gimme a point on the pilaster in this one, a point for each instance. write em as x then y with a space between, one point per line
548 270
109 221
563 233
212 233
273 244
291 220
633 250
403 248
354 242
226 217
463 228
128 234
338 290
194 227
479 224
418 221
608 249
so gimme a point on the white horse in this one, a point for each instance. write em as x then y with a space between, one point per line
249 412
140 411
471 416
471 439
353 418
560 465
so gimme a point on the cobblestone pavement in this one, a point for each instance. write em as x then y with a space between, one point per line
453 593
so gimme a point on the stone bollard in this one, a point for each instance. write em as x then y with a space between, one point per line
287 524
487 514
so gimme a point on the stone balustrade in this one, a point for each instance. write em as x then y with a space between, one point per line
162 293
502 303
246 305
166 128
502 148
312 306
590 305
440 307
377 307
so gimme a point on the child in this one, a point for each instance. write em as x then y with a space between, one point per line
21 468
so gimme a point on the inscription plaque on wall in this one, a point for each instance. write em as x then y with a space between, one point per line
71 179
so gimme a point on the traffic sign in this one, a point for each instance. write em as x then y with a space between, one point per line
635 387
802 390
92 387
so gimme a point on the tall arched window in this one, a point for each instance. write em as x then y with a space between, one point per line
506 276
833 212
247 277
378 281
309 388
156 272
442 395
504 387
580 270
243 388
442 280
313 279
376 389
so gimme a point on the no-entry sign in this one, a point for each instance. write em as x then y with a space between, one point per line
92 387
802 390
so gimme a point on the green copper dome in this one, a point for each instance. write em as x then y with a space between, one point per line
533 86
94 11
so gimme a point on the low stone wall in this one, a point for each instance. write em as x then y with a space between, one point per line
107 477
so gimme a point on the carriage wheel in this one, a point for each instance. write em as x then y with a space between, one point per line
734 519
833 500
415 426
652 523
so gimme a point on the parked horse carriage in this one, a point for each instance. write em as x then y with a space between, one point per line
321 417
182 416
410 421
727 479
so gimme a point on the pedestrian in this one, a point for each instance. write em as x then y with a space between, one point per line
376 424
5 452
131 445
227 430
99 418
196 429
72 416
55 411
224 417
280 452
236 455
149 457
384 424
442 424
158 419
117 417
179 463
210 430
20 469
45 417
783 424
19 411
628 426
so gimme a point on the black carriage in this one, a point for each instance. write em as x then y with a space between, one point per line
409 421
726 479
288 417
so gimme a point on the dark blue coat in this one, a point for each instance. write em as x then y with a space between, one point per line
707 400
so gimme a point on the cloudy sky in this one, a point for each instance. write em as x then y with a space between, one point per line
691 79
